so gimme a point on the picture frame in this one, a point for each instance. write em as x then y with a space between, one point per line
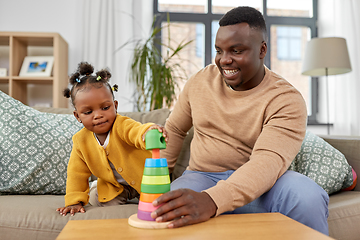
3 72
37 66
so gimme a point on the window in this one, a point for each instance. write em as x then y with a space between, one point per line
283 8
288 43
290 25
199 40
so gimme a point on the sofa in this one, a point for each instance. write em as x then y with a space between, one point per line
33 216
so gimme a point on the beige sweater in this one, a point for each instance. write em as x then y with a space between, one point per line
257 132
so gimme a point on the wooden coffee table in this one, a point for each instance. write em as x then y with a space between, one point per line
237 226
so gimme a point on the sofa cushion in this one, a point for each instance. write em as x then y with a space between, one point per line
34 148
321 162
35 216
344 215
158 116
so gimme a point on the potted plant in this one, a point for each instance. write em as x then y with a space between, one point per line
155 75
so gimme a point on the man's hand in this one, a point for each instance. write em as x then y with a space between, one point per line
184 207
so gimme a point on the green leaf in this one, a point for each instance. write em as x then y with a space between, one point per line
155 76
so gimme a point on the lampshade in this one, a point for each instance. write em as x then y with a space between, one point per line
326 53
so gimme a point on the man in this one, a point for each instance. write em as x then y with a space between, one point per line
249 124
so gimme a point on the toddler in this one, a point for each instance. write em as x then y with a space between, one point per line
110 146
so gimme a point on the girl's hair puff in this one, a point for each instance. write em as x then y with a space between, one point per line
83 77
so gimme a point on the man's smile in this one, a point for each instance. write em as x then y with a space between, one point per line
228 73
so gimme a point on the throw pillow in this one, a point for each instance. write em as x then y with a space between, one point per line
352 187
324 164
34 148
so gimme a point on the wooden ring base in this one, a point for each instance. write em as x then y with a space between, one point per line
138 223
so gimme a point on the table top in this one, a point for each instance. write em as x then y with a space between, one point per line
236 226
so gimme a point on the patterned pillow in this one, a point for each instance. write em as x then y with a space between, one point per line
34 148
324 164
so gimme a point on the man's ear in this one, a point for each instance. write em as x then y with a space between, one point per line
77 116
263 50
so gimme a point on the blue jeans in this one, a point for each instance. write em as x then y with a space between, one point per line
293 195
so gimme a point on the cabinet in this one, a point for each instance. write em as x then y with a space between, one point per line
14 46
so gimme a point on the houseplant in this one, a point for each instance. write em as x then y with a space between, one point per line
156 75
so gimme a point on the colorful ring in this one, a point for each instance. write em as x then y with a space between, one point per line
146 188
156 162
158 171
147 207
148 197
155 180
144 216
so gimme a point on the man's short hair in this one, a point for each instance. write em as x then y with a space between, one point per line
248 15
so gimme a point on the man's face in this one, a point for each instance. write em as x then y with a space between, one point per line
240 55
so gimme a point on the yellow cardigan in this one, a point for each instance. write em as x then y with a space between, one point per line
126 151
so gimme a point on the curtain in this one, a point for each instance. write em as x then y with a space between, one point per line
107 25
340 18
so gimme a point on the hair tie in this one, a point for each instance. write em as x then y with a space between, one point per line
98 78
78 80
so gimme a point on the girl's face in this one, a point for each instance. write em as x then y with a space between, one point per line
96 109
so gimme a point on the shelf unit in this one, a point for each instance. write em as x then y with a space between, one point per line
15 45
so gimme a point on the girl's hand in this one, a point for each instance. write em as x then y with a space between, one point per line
160 129
71 209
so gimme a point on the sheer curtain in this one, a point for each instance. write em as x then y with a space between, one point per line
340 18
107 25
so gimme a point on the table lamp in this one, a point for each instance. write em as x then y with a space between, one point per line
324 57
